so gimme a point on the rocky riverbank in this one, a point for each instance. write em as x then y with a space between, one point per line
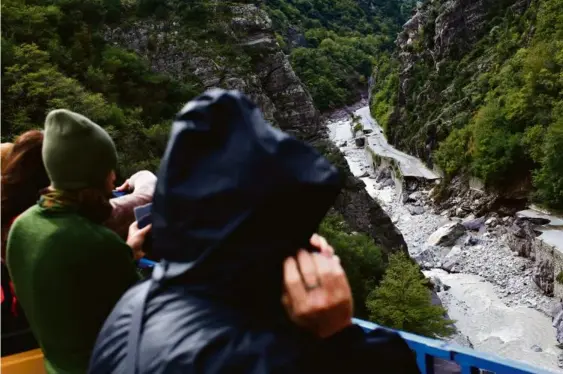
485 286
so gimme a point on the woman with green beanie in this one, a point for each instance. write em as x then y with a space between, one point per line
68 269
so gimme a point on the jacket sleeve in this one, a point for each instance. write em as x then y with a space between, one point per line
143 184
381 351
351 351
116 269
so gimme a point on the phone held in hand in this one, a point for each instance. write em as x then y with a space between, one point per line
144 218
116 193
143 215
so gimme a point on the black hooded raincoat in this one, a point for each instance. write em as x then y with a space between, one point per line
235 196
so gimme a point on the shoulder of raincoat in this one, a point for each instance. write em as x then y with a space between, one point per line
182 335
234 198
143 184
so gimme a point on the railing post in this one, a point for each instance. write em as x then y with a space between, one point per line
425 363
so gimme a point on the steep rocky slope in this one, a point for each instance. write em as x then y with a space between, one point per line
475 88
255 65
433 41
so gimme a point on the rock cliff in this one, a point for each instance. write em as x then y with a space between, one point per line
439 52
241 52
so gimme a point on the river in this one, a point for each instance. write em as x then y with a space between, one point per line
492 300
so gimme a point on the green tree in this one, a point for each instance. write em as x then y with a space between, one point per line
452 154
549 179
402 301
359 256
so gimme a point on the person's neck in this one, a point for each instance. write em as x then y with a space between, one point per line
91 203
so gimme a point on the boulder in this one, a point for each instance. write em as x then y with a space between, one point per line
383 175
452 259
415 196
491 222
367 131
543 276
536 348
471 240
521 238
557 308
437 283
387 183
415 210
469 218
426 258
517 231
558 324
474 224
360 141
535 220
446 235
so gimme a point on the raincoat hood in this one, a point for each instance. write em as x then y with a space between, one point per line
236 196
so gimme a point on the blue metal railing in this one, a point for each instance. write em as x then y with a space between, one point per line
466 361
469 360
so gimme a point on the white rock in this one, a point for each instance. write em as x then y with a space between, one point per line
415 196
491 221
469 218
446 235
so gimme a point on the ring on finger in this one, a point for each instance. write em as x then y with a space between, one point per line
310 287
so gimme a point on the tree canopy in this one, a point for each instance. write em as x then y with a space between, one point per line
402 301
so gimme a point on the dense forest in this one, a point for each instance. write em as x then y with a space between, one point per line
57 54
334 43
489 104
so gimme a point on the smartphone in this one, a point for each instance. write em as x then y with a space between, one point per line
143 215
116 193
144 263
144 218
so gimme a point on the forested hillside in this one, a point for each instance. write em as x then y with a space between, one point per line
54 55
477 88
334 43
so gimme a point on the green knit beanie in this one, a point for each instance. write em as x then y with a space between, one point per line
77 153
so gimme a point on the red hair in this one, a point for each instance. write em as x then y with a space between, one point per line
23 177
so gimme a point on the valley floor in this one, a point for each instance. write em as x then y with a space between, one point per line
495 303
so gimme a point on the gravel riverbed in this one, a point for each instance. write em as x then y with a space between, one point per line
491 295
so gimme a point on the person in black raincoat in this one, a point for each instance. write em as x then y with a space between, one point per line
235 200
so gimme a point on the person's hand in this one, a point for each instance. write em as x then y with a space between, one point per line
322 245
317 295
125 187
136 238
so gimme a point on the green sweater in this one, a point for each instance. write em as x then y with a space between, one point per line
68 274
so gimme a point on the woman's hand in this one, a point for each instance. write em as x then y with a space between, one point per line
317 294
140 179
136 238
125 187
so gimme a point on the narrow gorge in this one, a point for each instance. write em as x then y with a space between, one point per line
486 287
444 116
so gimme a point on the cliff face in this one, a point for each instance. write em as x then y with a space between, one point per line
247 57
255 65
440 51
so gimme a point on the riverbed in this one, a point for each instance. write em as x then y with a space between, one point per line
492 299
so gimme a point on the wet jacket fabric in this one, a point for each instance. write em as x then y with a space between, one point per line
234 198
